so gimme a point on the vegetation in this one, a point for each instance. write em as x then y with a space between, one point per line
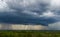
27 33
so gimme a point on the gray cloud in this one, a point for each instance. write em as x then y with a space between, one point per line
35 11
54 26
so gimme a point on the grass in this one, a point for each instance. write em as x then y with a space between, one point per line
31 33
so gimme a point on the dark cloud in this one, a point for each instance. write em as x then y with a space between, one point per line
26 14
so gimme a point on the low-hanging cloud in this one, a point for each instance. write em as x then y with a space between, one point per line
29 11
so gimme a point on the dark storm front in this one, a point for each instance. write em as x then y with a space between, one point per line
28 12
25 20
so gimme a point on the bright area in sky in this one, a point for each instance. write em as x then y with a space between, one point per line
48 14
55 3
3 4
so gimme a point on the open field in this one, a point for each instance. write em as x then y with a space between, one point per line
31 33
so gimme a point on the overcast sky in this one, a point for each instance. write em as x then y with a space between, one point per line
43 12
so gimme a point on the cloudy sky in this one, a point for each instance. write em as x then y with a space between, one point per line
44 12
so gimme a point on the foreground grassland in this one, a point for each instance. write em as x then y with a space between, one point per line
43 33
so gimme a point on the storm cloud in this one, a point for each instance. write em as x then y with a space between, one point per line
29 11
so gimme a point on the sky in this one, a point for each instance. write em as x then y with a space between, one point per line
44 12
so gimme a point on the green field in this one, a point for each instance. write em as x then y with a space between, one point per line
42 33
